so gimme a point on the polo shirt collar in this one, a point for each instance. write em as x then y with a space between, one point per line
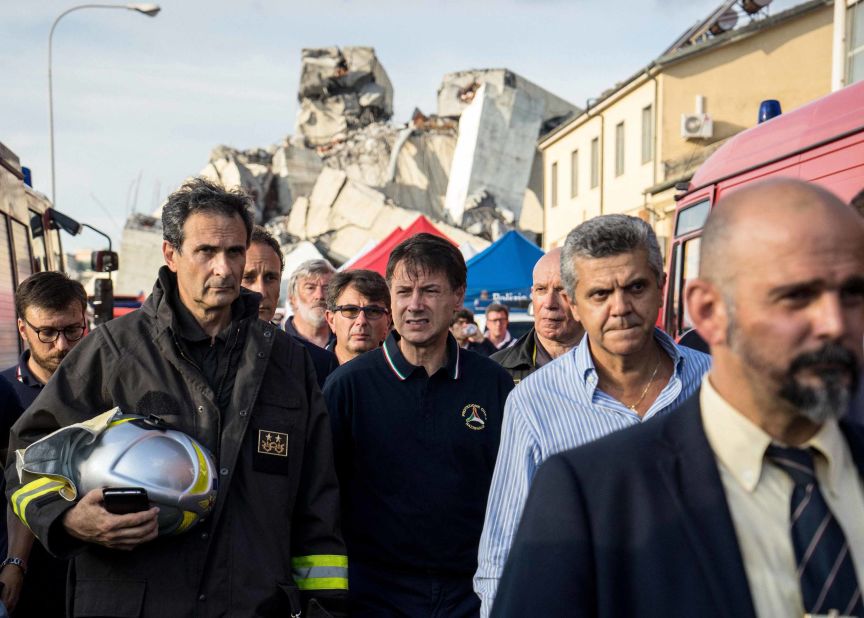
508 337
403 369
23 374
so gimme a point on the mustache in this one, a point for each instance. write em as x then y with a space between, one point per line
842 360
221 283
624 324
839 371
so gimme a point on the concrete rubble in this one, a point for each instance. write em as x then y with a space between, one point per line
409 164
273 177
344 214
350 176
341 90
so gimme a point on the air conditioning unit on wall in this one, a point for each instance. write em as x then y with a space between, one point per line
696 126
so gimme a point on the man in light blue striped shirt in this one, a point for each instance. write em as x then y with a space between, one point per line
623 372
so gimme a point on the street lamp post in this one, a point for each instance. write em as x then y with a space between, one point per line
146 9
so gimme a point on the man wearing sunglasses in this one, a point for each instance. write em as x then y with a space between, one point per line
358 312
51 309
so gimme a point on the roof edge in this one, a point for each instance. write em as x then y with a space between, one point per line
661 62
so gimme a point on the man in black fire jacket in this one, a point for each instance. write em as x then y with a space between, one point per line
197 355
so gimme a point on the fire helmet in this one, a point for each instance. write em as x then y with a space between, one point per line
177 472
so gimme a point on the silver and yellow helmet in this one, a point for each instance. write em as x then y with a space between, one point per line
177 472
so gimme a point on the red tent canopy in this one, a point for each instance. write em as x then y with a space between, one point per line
376 258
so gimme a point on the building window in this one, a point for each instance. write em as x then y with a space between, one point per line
619 148
595 162
647 134
574 173
553 182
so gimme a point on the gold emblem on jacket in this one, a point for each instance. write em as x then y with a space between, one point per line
475 416
272 443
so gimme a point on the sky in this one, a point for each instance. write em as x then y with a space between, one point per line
140 102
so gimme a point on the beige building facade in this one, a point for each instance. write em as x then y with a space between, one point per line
627 151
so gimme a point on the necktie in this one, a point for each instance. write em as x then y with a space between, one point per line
825 569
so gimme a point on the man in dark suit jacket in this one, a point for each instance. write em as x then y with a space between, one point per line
692 515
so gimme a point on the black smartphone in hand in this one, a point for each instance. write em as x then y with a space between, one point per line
123 500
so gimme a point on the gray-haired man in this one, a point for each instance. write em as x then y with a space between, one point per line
307 295
623 372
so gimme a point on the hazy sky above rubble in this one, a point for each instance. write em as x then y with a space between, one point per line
141 98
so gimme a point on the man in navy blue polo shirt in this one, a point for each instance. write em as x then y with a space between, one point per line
416 426
51 309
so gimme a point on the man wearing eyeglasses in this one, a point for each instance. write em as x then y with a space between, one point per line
358 312
51 309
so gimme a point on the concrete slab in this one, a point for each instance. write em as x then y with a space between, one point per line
324 194
458 89
495 151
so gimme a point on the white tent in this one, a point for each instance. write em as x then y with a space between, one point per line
370 244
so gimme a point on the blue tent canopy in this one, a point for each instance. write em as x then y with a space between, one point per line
504 270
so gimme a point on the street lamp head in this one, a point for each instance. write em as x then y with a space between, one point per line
146 8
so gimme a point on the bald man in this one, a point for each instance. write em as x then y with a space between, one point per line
746 501
555 329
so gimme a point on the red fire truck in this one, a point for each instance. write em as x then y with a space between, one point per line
22 252
822 142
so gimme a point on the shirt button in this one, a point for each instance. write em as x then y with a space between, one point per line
202 597
268 333
261 355
204 536
243 412
224 471
200 409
